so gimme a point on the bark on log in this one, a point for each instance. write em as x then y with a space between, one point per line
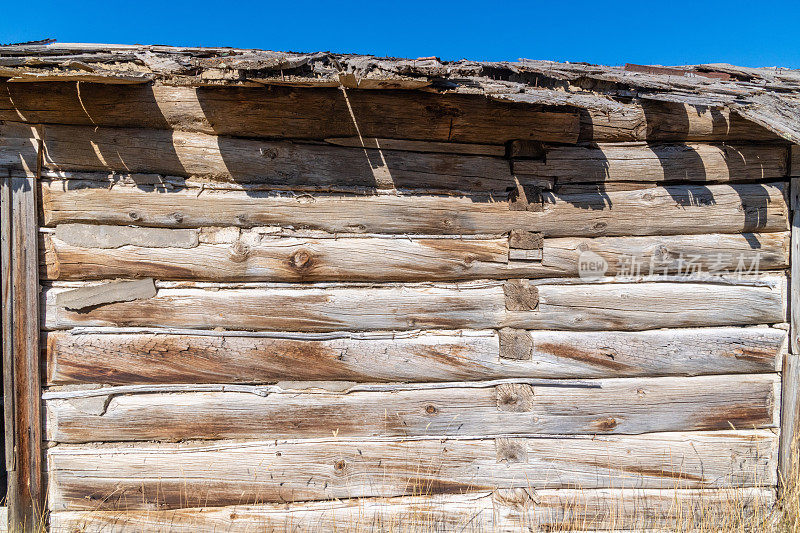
658 163
195 357
478 305
507 511
656 211
622 405
172 476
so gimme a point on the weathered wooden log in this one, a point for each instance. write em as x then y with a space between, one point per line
278 164
660 210
505 511
78 252
119 476
621 405
657 163
215 357
419 146
478 305
323 113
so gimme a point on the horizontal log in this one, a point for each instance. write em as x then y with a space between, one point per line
507 511
659 210
419 146
657 163
262 258
79 252
175 475
479 305
194 357
323 113
290 113
621 405
278 164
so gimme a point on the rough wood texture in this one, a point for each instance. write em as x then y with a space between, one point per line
477 305
256 257
790 420
105 293
279 164
21 352
232 473
419 146
506 511
282 112
623 405
323 113
794 193
659 210
794 163
195 357
656 163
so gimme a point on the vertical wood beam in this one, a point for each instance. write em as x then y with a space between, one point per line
21 375
790 393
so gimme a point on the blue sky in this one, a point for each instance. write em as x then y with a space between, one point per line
745 33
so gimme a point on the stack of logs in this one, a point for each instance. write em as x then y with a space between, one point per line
262 303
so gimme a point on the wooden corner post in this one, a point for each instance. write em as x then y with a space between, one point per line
790 393
21 375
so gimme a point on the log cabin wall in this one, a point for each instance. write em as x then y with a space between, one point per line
322 307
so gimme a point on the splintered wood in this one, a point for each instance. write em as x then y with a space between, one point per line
266 297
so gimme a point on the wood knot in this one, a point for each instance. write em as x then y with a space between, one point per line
239 252
301 259
431 409
269 153
178 217
605 424
339 466
133 215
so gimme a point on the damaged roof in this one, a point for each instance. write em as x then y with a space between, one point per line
769 97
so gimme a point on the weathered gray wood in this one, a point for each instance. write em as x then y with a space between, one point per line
283 112
660 210
279 164
478 305
657 163
794 194
258 257
789 458
419 146
105 293
231 473
506 511
794 163
623 405
21 352
214 357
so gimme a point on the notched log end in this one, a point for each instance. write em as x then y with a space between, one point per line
514 397
511 451
520 295
525 240
525 198
515 344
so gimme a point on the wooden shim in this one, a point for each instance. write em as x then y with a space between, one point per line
657 163
480 305
419 146
263 258
215 357
505 511
659 210
105 293
290 113
119 476
621 405
279 164
21 352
